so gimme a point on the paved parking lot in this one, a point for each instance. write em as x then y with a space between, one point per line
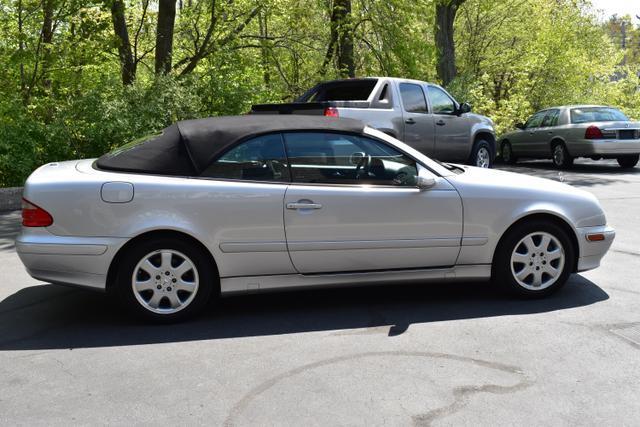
432 354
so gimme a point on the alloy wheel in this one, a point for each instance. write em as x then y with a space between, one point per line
483 158
537 261
165 281
558 155
506 153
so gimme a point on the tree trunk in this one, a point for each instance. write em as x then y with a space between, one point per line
346 64
47 38
341 40
127 63
445 48
164 35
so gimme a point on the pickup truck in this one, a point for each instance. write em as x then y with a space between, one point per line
421 114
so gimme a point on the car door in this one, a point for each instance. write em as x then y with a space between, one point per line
419 129
452 130
526 144
353 205
542 135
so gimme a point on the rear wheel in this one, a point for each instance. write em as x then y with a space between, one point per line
481 155
628 161
534 259
507 153
165 280
561 157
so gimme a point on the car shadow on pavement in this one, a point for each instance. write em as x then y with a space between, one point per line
56 317
585 173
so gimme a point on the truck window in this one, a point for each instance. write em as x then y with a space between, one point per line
349 90
413 98
440 101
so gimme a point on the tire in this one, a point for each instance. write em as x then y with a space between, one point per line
482 155
168 290
507 153
560 156
518 266
628 162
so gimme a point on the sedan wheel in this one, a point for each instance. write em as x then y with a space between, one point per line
534 259
507 153
537 261
628 161
561 157
165 280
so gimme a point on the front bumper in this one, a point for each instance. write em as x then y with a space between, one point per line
67 260
591 253
604 147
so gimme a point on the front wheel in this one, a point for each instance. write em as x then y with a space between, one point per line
165 280
507 153
481 156
628 161
534 259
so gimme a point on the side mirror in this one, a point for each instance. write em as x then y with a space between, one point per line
424 180
520 126
464 108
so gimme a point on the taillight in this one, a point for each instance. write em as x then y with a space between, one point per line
35 216
331 112
593 132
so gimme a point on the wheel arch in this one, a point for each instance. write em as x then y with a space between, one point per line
557 140
546 216
150 235
487 136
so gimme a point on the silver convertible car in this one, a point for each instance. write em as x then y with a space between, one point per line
564 133
257 203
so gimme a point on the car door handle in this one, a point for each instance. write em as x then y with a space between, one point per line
440 123
409 121
304 206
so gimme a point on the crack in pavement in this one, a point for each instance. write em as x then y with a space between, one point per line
461 394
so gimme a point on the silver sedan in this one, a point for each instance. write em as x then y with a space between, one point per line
258 203
564 133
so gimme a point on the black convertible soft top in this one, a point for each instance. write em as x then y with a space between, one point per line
188 147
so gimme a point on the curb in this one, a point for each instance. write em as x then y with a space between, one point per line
10 199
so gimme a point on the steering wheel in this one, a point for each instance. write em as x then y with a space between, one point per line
363 166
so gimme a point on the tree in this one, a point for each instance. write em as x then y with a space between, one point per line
341 39
127 62
445 48
164 35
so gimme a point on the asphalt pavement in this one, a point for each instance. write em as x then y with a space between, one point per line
433 354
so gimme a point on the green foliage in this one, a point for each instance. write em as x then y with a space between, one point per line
64 99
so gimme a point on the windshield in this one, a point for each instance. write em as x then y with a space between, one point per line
597 114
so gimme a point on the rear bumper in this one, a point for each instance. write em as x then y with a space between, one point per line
67 260
591 253
606 147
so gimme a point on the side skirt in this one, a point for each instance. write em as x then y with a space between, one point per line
235 285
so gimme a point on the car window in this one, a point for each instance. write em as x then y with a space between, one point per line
597 114
335 158
441 103
413 98
551 118
535 120
259 159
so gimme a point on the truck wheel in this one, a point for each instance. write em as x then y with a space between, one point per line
628 161
481 156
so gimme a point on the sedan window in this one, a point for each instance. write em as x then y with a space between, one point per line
334 158
258 159
535 120
551 118
597 114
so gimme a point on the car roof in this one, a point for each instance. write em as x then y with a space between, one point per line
188 147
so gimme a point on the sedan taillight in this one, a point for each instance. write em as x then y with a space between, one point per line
593 132
35 216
